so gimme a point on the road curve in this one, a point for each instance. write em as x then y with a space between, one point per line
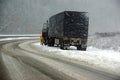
19 60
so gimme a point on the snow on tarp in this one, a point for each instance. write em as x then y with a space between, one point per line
106 59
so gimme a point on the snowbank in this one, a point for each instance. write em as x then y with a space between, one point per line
108 42
16 38
104 59
19 35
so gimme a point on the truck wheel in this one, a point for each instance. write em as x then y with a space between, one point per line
45 42
51 42
83 49
79 47
62 45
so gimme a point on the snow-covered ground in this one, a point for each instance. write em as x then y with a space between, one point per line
104 59
102 53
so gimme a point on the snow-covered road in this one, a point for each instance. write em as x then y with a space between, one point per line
26 59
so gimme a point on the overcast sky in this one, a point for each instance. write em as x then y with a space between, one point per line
28 16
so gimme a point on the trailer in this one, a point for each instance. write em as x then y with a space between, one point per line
68 28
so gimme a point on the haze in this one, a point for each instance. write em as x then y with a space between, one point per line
28 16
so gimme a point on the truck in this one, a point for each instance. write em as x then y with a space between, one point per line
65 29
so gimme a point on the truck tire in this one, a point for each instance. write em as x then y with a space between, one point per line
45 42
62 46
51 42
79 47
83 49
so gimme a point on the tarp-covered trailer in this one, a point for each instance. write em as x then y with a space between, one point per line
68 28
